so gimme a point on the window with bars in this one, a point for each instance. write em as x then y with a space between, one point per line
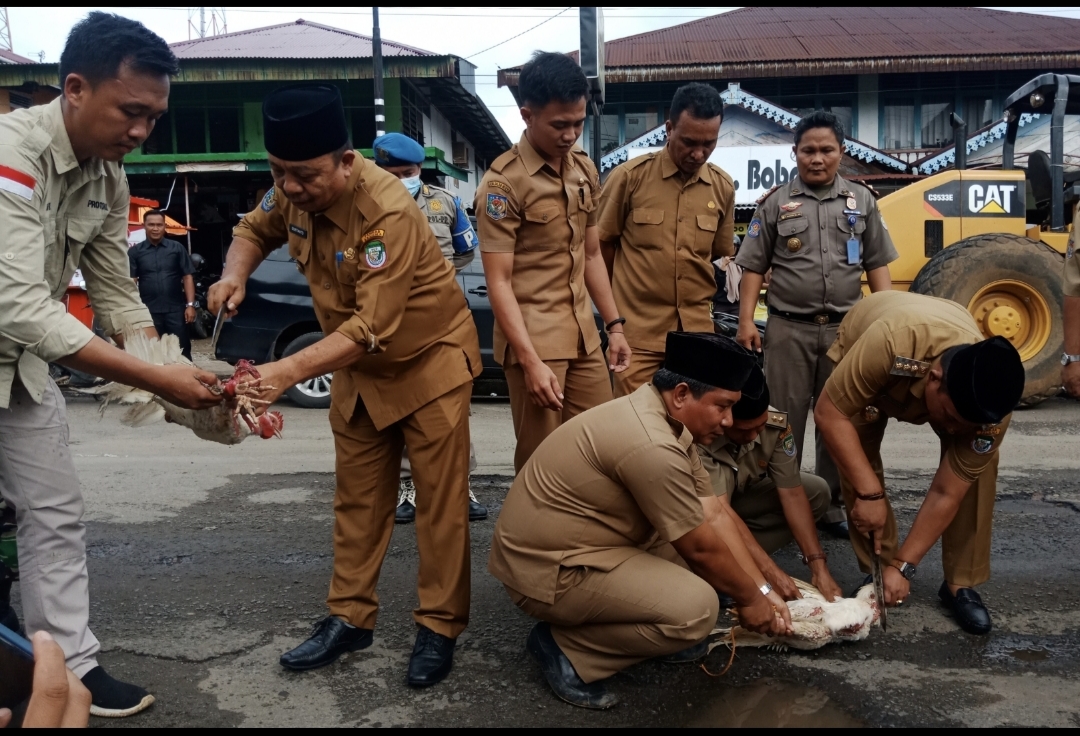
413 109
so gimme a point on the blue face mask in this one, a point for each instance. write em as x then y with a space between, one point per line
412 184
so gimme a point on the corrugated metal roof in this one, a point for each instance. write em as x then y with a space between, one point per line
10 57
788 34
300 40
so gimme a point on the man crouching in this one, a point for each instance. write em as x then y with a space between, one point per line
603 536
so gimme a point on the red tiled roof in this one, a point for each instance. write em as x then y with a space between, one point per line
300 40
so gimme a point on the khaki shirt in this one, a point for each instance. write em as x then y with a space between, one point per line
733 467
524 207
440 208
597 492
1071 276
378 278
57 216
804 241
668 232
883 353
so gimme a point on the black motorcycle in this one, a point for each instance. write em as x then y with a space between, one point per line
203 326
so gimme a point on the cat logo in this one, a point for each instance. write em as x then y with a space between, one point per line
990 199
975 199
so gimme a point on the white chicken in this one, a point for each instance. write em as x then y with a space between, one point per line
230 422
815 622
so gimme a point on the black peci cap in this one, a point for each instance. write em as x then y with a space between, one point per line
755 396
304 121
985 381
712 359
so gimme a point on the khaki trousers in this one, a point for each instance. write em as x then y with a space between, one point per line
758 505
368 465
796 370
965 544
37 477
585 383
648 606
643 366
406 465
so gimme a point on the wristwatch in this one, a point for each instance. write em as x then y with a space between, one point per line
907 570
192 304
1066 358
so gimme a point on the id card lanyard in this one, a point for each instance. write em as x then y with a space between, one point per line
853 242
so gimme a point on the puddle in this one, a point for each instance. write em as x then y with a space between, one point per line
1029 649
772 704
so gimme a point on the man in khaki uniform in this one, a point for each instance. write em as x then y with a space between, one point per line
919 359
819 234
605 535
664 218
402 343
536 213
754 470
64 202
1070 361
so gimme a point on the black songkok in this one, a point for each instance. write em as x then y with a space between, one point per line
755 396
712 359
304 121
985 381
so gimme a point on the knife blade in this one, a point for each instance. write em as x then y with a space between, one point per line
217 330
879 585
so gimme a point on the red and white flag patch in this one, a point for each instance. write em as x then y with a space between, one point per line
16 182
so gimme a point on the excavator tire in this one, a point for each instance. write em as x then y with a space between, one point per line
1021 275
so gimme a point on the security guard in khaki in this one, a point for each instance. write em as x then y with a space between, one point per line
378 278
666 230
884 353
524 207
803 235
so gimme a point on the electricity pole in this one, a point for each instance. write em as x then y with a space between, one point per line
377 75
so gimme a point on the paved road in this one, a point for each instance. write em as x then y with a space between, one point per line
207 562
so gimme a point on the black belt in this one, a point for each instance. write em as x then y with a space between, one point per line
825 318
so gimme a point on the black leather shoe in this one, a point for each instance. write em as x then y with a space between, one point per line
836 529
690 654
561 675
477 511
868 580
331 638
406 513
967 608
432 658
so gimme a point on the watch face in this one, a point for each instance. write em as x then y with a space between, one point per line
908 571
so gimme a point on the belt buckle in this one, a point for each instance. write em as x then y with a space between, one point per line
821 319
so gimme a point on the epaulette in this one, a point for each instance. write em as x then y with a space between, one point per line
777 419
909 367
638 161
864 185
723 174
503 159
766 195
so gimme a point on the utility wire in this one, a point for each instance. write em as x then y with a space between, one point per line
527 30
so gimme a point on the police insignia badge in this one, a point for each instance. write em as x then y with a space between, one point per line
496 206
788 443
435 205
269 200
755 228
793 244
852 203
375 254
711 205
791 206
350 254
982 445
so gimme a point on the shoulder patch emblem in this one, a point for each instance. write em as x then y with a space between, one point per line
909 367
788 443
495 183
372 234
269 200
791 206
375 254
496 206
982 445
434 205
754 229
297 230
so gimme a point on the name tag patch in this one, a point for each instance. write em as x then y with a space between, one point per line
297 230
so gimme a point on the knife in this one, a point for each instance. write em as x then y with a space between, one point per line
217 330
879 585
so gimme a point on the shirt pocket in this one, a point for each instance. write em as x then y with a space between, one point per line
705 235
647 228
792 226
300 251
858 228
71 242
541 219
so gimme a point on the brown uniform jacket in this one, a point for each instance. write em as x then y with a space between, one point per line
804 241
668 234
597 492
733 467
1071 276
525 208
378 277
883 352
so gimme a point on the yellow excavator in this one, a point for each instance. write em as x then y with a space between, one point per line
964 234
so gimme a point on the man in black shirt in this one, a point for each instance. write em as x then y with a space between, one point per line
163 270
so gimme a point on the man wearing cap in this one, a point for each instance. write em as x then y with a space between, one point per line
400 155
664 218
536 212
919 359
403 348
754 470
819 233
604 536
